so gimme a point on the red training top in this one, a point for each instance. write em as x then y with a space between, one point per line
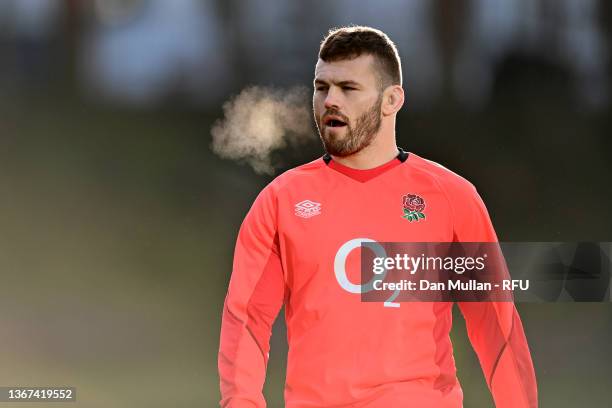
299 246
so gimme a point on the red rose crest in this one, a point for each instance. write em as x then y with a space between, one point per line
413 207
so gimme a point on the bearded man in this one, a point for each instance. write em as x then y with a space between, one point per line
297 246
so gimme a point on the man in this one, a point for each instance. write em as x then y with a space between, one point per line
295 247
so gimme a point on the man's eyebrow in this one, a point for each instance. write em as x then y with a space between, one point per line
350 83
340 83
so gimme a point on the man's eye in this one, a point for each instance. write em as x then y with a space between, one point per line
348 88
321 88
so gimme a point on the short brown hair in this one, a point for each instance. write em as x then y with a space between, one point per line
353 41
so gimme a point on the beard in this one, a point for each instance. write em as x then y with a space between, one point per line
355 139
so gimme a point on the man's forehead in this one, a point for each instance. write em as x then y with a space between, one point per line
360 69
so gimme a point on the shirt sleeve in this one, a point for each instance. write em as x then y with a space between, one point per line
494 328
254 298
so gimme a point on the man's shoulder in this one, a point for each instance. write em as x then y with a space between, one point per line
297 175
445 178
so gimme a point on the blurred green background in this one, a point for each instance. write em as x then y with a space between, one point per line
118 223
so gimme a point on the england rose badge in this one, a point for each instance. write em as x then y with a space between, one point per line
413 207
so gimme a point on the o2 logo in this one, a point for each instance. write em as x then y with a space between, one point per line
340 269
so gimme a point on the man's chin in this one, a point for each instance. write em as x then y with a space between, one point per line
331 134
341 153
338 150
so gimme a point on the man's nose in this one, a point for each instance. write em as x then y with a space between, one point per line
333 100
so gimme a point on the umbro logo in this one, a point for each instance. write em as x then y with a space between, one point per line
307 209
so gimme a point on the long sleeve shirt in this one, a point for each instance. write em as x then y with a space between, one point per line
344 352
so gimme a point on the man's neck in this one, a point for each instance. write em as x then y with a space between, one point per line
374 155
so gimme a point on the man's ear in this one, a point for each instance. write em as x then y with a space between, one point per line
393 99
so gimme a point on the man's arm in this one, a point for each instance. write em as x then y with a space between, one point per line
494 328
254 298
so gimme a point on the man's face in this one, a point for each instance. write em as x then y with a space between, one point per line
347 104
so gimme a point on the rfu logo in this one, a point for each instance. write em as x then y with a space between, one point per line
307 209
